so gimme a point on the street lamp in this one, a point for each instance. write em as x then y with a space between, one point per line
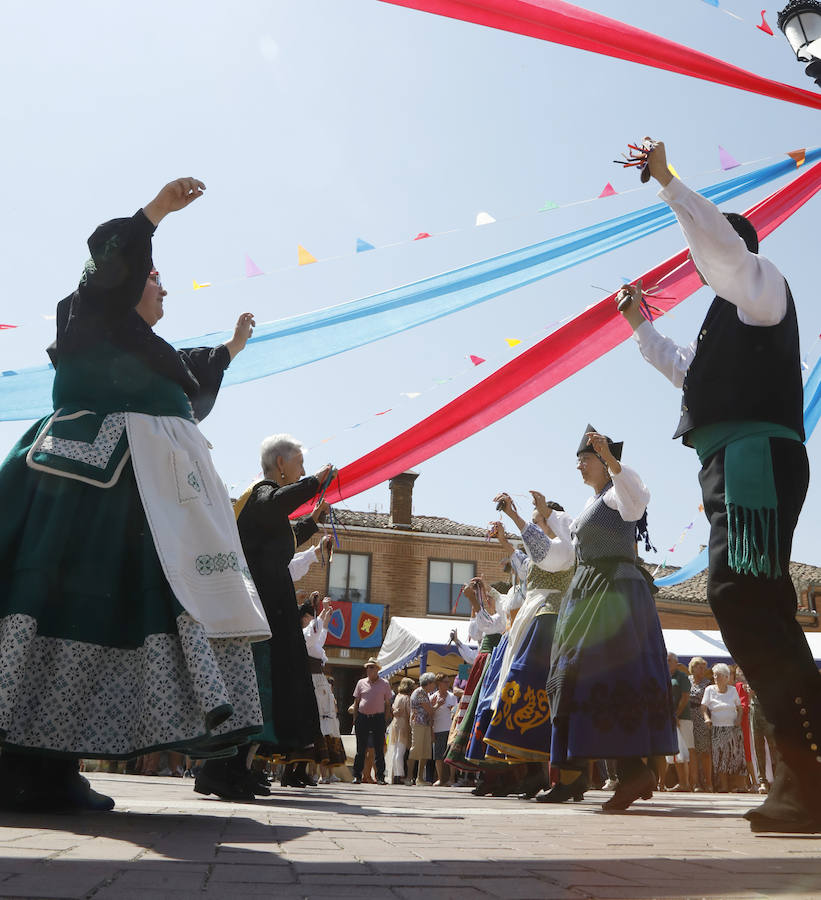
800 20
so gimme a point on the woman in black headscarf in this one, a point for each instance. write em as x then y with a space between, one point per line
126 608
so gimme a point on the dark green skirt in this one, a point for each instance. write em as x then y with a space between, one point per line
97 657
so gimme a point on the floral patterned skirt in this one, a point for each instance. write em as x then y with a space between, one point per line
97 657
609 685
520 727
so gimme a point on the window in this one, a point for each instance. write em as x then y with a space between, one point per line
349 576
445 580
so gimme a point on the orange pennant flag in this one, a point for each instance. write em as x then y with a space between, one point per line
799 156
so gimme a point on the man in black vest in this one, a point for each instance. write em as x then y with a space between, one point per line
742 412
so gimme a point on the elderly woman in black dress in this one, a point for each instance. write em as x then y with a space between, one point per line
269 541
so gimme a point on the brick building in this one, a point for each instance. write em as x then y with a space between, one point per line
412 565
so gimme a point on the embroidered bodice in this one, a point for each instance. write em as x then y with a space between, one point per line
599 531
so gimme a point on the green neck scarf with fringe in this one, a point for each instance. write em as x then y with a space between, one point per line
749 491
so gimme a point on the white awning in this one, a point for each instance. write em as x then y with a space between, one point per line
709 644
409 639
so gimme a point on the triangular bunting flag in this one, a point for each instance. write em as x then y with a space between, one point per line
726 160
383 412
251 268
304 258
362 246
422 234
764 26
411 395
549 205
484 218
609 191
476 360
512 342
799 156
673 171
198 285
712 3
7 326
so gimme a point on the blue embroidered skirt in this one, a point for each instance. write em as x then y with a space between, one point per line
520 727
609 686
478 751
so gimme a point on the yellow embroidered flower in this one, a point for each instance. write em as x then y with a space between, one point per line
511 693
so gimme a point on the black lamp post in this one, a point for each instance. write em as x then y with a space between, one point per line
800 20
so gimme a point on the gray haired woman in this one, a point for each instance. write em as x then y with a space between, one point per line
721 706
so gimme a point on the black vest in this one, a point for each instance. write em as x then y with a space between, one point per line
744 372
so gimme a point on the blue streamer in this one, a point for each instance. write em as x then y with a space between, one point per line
337 329
812 413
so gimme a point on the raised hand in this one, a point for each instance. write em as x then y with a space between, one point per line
174 196
242 332
602 449
322 474
657 164
540 503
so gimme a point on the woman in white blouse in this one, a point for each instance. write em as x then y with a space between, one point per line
609 685
722 714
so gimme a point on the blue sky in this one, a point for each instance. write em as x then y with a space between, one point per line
317 122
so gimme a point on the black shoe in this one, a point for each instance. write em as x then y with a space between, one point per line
224 787
786 809
640 785
356 780
381 781
33 783
561 793
532 784
257 785
291 780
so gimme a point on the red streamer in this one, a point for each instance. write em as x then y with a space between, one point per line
561 354
563 23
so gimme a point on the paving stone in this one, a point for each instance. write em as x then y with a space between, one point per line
240 875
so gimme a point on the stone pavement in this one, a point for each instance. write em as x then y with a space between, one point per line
163 842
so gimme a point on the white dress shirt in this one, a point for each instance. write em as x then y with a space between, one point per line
749 281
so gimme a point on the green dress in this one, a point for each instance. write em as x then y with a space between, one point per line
97 657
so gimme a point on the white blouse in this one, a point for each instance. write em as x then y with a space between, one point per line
750 281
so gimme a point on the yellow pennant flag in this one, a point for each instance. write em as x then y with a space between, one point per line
512 342
673 171
305 258
197 285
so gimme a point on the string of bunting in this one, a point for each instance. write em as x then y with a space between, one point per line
570 348
252 270
26 393
762 26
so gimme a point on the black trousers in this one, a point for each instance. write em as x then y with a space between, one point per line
757 615
364 726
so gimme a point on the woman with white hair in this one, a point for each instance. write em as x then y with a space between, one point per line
722 713
269 541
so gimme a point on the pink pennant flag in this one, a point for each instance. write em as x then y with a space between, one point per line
764 26
422 234
7 326
383 412
609 191
672 549
726 160
251 268
476 360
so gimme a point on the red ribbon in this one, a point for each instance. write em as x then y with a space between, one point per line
561 354
563 23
